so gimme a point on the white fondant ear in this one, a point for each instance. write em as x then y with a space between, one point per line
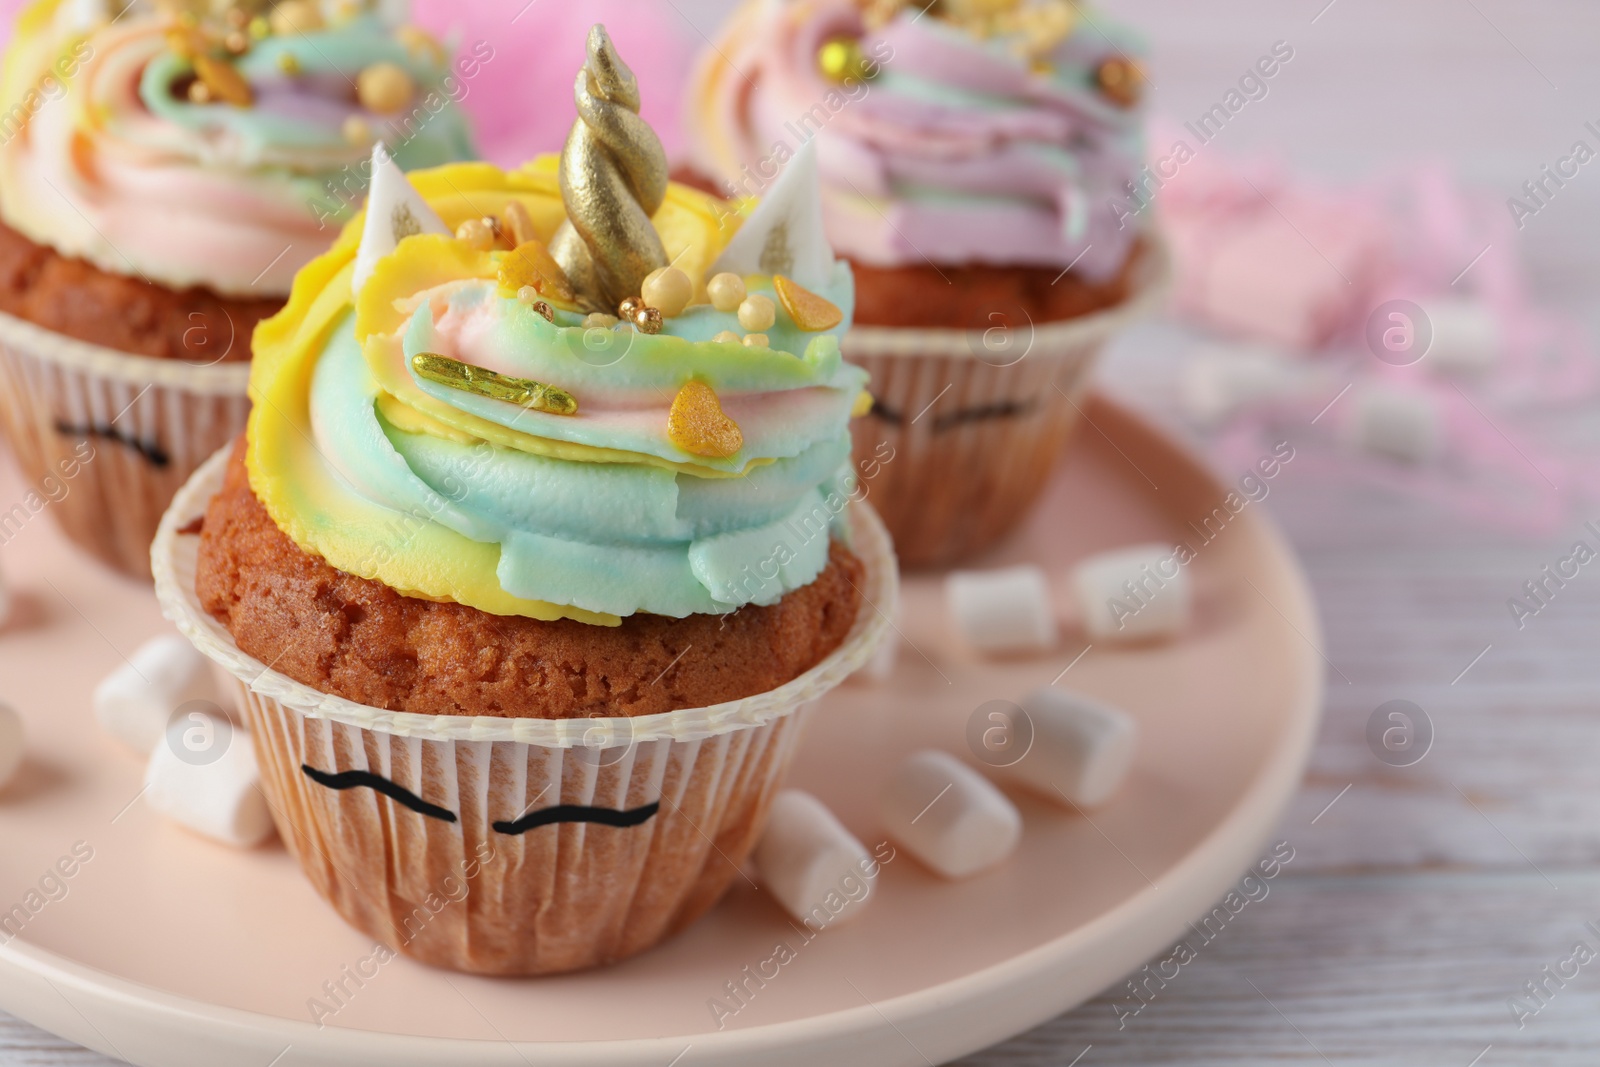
84 15
784 235
395 210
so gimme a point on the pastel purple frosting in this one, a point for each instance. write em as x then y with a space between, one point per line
959 152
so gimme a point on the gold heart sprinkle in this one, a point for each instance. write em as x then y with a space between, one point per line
810 312
531 263
698 425
224 81
454 374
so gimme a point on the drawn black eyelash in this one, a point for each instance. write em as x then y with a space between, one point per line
578 813
377 783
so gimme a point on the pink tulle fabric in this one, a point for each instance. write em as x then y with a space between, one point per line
521 104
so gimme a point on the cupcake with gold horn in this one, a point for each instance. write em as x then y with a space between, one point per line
544 538
977 161
165 169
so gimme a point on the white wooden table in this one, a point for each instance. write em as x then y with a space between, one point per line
1421 899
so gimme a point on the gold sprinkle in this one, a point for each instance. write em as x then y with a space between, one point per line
358 132
698 425
524 392
728 337
198 93
810 312
476 233
530 296
186 42
862 405
421 44
237 42
224 81
648 320
518 223
260 28
1120 81
629 308
531 264
385 88
296 16
289 63
841 59
757 340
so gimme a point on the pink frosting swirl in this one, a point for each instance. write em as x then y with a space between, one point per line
960 151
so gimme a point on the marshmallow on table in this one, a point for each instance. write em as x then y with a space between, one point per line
806 857
1005 610
1466 335
135 701
1080 752
1132 594
10 744
1218 382
1394 423
948 815
203 776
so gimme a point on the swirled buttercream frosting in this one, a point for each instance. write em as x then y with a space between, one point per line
223 150
460 427
962 132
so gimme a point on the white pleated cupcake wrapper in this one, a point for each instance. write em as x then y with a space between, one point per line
975 432
167 418
559 897
472 897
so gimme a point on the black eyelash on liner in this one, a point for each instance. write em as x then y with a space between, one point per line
368 780
578 813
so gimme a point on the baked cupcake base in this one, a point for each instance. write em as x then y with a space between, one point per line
487 882
968 424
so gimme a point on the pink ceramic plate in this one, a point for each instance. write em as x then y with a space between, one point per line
168 951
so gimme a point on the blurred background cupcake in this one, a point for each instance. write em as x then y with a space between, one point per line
975 158
165 169
545 539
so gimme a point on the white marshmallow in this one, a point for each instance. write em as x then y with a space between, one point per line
395 210
811 864
1081 750
1394 423
1132 594
1217 383
135 701
11 744
215 794
1466 335
948 815
1005 610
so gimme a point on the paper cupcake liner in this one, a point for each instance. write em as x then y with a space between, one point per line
968 425
107 438
461 887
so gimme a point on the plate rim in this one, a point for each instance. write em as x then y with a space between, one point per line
1019 992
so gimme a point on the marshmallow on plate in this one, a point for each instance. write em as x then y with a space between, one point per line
1007 610
1133 593
11 742
203 776
948 815
807 856
135 701
1080 752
